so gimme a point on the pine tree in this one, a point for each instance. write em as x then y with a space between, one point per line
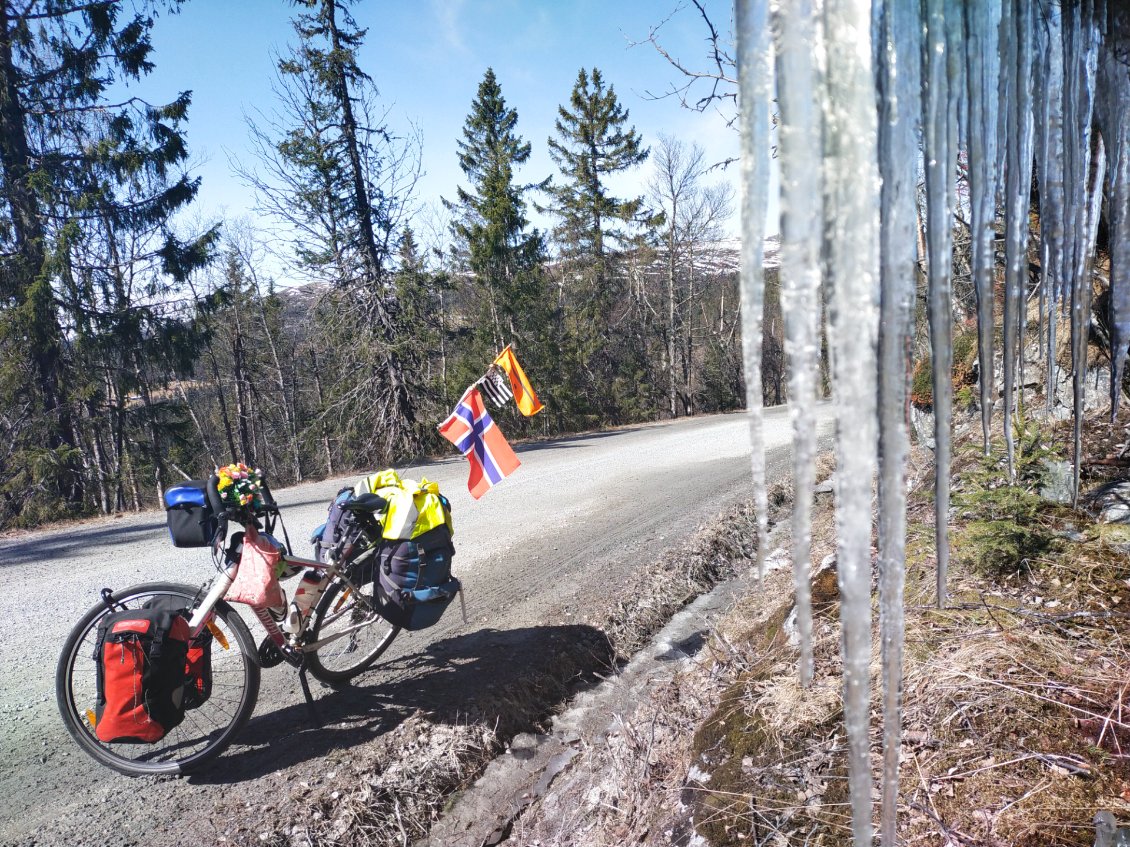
503 255
339 180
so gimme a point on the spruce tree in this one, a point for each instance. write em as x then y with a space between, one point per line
592 144
501 252
88 189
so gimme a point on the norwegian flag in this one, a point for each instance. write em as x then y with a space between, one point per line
474 433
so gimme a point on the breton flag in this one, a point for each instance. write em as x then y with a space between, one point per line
475 435
528 403
495 386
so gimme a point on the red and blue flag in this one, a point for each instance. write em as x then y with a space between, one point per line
475 434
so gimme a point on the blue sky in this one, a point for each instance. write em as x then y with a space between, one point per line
427 58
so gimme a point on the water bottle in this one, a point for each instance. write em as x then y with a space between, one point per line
305 597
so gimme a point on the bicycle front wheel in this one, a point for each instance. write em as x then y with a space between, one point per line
206 730
364 635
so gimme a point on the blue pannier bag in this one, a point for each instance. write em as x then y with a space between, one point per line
339 526
191 520
415 581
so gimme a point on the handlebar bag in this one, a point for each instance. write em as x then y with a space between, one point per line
191 519
140 656
256 582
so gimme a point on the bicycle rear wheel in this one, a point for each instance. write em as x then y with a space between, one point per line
341 609
206 730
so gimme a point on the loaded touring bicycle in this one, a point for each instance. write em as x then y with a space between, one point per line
160 677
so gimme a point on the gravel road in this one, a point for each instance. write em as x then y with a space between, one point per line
551 538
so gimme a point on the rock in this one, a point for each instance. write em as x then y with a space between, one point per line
790 629
1111 501
1058 481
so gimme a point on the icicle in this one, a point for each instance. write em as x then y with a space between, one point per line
753 65
1080 57
937 132
1018 66
982 20
1049 160
1039 147
898 53
1112 95
1006 153
1004 90
799 143
1097 174
852 250
1024 56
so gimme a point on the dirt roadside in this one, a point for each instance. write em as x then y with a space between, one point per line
1013 718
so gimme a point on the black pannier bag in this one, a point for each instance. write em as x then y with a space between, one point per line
192 520
141 656
414 578
198 659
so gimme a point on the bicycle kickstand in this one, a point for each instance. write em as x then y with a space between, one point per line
315 718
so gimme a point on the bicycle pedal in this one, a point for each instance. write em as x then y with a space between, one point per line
269 653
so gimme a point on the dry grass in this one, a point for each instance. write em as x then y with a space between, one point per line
1016 696
1016 723
407 779
656 593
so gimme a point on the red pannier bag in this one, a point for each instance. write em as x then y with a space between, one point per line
141 657
198 670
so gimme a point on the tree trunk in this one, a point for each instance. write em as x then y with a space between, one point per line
321 409
284 398
672 391
443 348
98 457
404 407
156 450
239 377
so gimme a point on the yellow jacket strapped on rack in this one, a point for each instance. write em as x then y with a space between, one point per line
413 508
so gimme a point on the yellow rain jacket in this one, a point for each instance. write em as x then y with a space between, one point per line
413 508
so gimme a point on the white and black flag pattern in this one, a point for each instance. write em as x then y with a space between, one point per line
496 386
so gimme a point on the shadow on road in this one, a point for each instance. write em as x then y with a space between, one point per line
72 544
510 678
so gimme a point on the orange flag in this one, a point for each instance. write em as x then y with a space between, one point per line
524 396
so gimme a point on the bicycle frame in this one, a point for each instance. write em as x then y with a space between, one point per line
219 587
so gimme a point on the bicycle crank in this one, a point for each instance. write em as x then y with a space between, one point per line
270 654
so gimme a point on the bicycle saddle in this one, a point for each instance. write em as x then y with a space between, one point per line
368 503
